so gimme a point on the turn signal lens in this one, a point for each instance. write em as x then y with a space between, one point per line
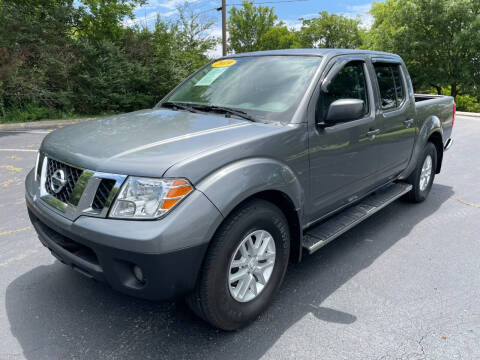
147 198
180 191
176 194
168 204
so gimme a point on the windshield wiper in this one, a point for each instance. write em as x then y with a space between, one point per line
171 104
225 110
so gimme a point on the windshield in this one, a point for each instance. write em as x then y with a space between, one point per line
265 87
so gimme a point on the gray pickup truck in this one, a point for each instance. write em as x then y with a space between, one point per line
251 162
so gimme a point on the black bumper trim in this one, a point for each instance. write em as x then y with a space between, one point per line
167 276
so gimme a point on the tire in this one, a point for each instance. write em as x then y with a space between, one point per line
213 299
420 191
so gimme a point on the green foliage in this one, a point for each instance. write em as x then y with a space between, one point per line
331 31
106 80
35 52
468 103
253 28
248 24
102 19
32 112
64 56
279 37
438 39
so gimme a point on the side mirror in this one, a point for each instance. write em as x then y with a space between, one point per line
344 110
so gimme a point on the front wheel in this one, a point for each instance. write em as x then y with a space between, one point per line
244 266
423 175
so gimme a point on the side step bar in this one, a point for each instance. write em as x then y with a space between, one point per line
320 235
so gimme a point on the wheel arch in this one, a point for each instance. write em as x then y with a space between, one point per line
260 178
285 204
430 131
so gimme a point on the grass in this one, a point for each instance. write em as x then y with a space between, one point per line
32 113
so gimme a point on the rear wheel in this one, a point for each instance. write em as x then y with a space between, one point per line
423 175
244 266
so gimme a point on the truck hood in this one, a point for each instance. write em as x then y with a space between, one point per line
143 143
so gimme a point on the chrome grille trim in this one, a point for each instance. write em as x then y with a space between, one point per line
73 174
81 194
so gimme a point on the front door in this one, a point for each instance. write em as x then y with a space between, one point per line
343 157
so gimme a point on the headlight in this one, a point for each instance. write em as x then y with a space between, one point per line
146 198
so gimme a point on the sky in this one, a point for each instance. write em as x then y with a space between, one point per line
288 11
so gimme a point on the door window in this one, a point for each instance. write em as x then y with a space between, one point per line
349 83
392 91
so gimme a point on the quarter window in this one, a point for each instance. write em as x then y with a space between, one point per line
390 83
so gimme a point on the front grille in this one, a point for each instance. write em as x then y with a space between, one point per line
101 196
72 175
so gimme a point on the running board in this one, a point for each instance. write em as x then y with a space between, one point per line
320 235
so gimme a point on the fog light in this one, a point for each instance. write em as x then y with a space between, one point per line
137 271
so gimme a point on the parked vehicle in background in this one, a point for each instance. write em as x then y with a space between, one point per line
250 162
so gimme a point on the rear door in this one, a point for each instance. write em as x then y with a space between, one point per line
397 111
343 158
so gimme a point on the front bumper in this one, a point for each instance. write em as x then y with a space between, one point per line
169 251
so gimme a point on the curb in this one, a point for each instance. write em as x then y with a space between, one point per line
48 124
468 114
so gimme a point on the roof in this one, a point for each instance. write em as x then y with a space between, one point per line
317 52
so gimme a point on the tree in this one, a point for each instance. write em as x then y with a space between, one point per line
180 46
193 30
102 19
248 24
63 56
279 37
36 52
438 39
331 31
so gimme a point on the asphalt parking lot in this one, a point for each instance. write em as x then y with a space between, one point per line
405 284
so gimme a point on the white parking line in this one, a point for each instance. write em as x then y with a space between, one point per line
21 150
20 257
27 131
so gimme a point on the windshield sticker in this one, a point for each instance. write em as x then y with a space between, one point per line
211 76
224 63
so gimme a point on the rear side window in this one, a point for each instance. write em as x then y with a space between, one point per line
348 84
391 86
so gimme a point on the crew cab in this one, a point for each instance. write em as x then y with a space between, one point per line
252 162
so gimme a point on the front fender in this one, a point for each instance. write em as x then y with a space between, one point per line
431 125
229 186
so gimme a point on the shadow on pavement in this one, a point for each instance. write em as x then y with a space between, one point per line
55 313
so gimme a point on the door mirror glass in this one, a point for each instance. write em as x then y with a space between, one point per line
345 110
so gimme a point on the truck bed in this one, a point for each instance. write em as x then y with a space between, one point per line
440 105
424 97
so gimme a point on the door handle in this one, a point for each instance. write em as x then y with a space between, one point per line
372 133
408 123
